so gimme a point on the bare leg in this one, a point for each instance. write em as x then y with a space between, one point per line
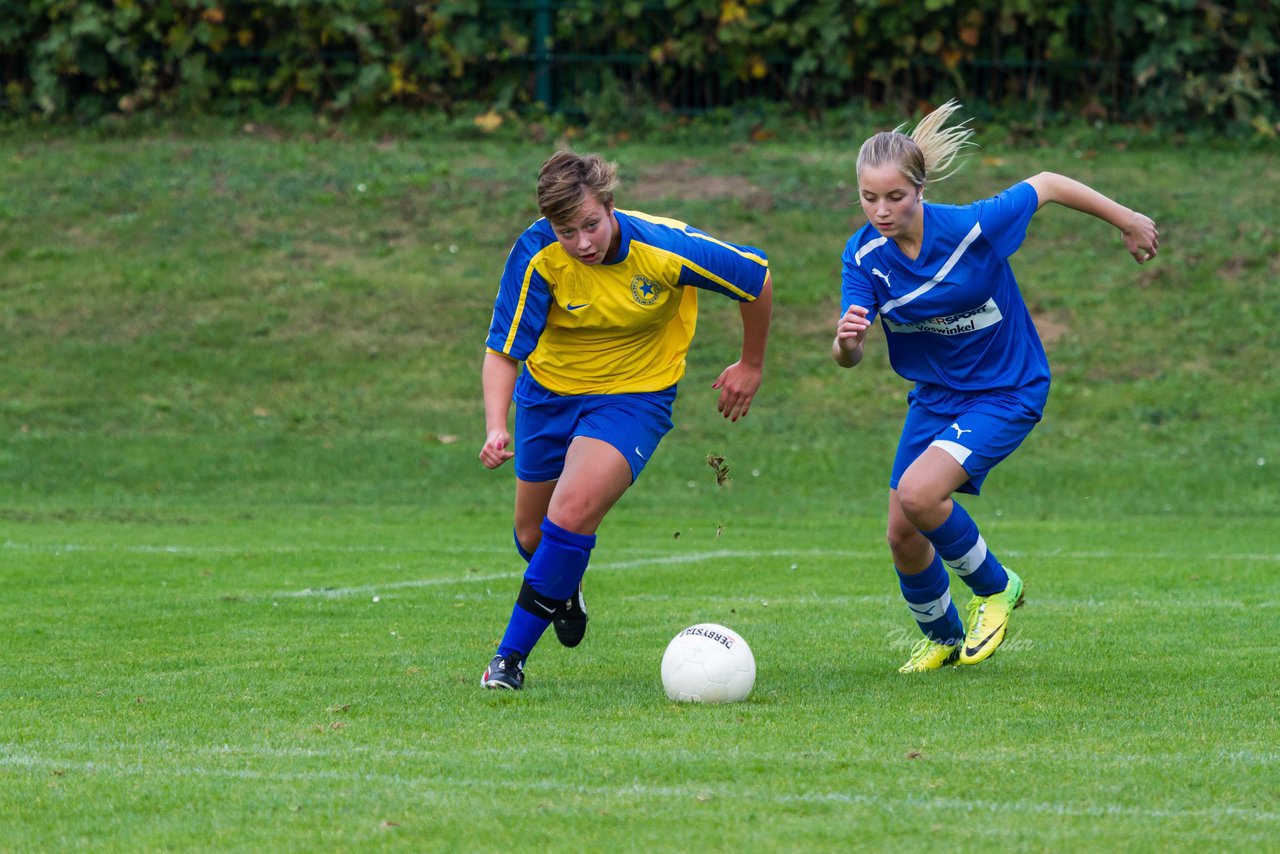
595 476
532 501
925 488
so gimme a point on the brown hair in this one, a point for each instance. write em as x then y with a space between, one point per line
928 154
567 180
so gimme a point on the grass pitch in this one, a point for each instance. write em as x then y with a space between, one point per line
252 570
313 682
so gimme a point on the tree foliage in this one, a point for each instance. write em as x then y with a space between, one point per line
1172 62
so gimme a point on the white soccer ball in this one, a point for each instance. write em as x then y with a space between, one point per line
708 663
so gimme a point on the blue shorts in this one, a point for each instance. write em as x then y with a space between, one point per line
546 423
978 429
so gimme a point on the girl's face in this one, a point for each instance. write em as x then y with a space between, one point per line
889 199
592 236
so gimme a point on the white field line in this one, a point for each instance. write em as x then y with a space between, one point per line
248 549
605 566
820 756
699 557
428 551
367 589
634 563
447 790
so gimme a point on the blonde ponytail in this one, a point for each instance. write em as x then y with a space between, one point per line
928 154
940 144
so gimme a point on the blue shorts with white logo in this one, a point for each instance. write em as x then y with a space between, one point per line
978 429
546 423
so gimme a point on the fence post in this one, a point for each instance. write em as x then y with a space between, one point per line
542 88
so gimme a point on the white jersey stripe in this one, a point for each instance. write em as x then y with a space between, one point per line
874 244
946 268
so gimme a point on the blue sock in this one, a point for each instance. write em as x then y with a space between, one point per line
523 631
555 571
524 553
928 596
965 551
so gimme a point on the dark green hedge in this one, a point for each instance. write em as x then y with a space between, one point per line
1177 63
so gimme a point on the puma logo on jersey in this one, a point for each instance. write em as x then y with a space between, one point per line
959 432
884 276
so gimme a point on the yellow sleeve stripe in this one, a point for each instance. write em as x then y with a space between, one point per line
682 227
520 303
519 312
753 256
679 226
660 220
682 261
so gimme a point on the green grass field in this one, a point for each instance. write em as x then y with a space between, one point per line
252 568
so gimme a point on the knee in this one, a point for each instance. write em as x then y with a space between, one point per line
528 534
920 504
906 544
578 514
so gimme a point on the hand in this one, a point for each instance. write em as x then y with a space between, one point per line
851 329
494 452
738 385
1141 238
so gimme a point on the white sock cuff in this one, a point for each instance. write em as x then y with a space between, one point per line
972 559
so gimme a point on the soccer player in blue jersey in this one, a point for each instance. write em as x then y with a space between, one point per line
599 304
955 324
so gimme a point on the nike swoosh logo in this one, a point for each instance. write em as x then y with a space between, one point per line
924 612
639 453
974 650
572 307
545 608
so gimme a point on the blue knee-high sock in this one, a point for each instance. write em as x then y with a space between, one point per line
928 596
560 561
523 631
555 571
965 551
524 553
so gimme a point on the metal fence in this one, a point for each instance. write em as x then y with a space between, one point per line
568 72
560 56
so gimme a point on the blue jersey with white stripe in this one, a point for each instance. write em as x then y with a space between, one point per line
953 317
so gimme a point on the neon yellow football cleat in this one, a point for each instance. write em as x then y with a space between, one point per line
989 620
929 655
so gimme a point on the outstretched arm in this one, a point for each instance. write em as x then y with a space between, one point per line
739 382
1140 235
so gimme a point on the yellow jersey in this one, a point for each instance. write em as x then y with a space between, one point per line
624 326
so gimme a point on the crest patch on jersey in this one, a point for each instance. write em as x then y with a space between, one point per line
645 290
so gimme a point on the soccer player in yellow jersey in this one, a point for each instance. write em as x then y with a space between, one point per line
600 305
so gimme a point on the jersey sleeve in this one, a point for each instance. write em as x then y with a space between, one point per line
856 287
1005 217
726 268
524 298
